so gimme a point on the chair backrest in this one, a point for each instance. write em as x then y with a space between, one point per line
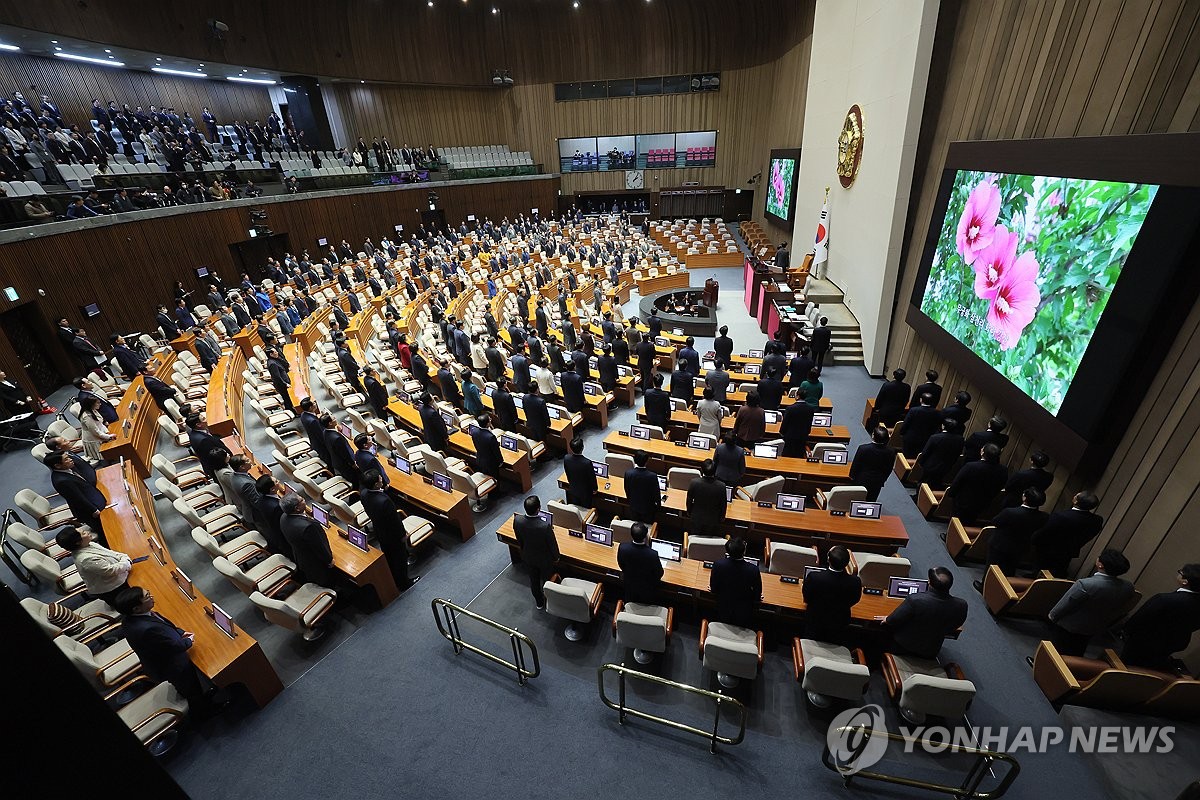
184 508
791 559
565 516
933 694
875 570
238 578
164 465
821 448
276 611
169 490
840 497
642 631
206 541
681 477
32 504
25 536
81 656
731 649
704 548
618 464
42 566
568 602
766 491
435 462
461 481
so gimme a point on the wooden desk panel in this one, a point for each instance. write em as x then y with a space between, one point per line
224 660
687 421
712 260
226 392
136 427
661 283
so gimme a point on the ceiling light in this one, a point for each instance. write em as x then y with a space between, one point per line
105 61
181 72
362 81
240 79
575 4
54 41
495 10
9 47
158 59
108 51
430 3
58 48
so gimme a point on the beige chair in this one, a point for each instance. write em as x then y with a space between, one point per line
33 540
217 522
703 548
172 430
875 571
623 530
296 447
1007 596
349 513
302 611
109 667
839 497
708 437
155 716
206 497
922 687
242 548
65 581
781 558
436 462
655 431
268 576
83 624
40 509
475 485
829 672
271 419
765 491
574 600
571 517
618 464
681 477
730 651
644 628
821 448
183 478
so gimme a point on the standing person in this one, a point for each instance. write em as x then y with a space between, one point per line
723 345
872 463
1012 530
537 417
641 568
1065 534
539 547
718 380
504 405
730 460
104 572
821 341
811 390
75 482
657 404
1164 624
488 458
308 541
710 412
922 622
642 489
387 523
829 596
795 429
280 371
341 457
929 387
976 484
892 399
432 424
706 503
646 359
921 422
1091 604
472 398
377 393
1035 474
750 423
940 453
581 477
94 428
736 585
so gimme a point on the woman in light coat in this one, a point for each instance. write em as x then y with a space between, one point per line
95 430
710 412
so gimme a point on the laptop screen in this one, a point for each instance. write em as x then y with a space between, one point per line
667 551
553 412
592 389
546 517
357 538
755 354
753 369
223 620
835 457
729 494
822 420
662 483
471 429
699 442
772 417
402 464
639 432
810 570
900 588
600 468
624 372
345 430
860 509
508 443
766 451
790 502
442 482
489 390
404 397
184 583
597 534
449 420
519 402
320 515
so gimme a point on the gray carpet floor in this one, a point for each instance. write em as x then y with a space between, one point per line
383 706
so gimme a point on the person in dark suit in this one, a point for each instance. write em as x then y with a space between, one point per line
169 328
994 434
770 390
606 369
202 442
581 477
419 367
799 368
521 379
921 422
87 391
311 422
641 568
541 321
158 390
683 385
365 456
488 458
308 540
654 323
688 359
504 405
940 454
1164 624
495 360
162 648
341 457
706 503
269 513
821 341
828 596
795 429
657 404
717 379
774 361
387 524
350 367
958 409
377 393
572 389
1013 529
1065 534
539 547
922 622
892 399
930 387
646 358
723 345
1091 604
642 490
131 363
537 418
1035 475
977 484
209 356
872 463
280 371
736 585
75 482
432 424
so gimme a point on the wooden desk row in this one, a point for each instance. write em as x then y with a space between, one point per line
809 527
226 393
690 577
684 422
136 427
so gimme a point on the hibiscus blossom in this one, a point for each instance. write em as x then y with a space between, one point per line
977 226
1015 303
993 261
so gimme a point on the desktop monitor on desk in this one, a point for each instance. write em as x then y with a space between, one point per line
184 583
223 621
790 502
699 441
450 421
639 432
489 390
519 402
765 451
546 517
345 430
772 417
900 588
755 354
601 469
443 482
598 535
729 493
320 515
835 457
706 364
508 443
357 538
753 369
667 551
404 397
402 464
861 509
624 371
822 419
471 429
662 483
553 413
810 570
593 389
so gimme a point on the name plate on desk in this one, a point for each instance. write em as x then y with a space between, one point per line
788 579
708 565
576 534
679 444
867 590
622 433
837 513
762 504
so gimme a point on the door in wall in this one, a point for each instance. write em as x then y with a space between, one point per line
26 332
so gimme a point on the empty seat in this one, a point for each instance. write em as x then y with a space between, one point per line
645 628
730 651
923 687
828 671
703 548
302 611
875 570
574 600
789 559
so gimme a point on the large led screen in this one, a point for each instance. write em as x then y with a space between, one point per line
1023 269
781 188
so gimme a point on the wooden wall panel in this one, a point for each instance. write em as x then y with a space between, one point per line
1009 69
72 86
541 41
131 267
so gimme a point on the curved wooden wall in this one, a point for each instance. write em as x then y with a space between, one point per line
1006 69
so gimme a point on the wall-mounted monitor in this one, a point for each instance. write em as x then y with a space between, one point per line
90 310
781 176
1049 267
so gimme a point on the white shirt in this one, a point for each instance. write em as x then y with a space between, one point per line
101 569
478 356
545 381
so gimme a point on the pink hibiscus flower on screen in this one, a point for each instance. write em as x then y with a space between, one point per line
994 261
1015 303
977 226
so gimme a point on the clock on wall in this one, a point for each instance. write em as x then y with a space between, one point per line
635 178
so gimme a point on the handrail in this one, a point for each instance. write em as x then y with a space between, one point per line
967 790
721 699
450 632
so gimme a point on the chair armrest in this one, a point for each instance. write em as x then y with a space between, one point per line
324 593
891 675
1052 674
852 567
597 599
253 546
766 559
128 683
797 659
616 611
703 635
954 672
858 656
275 587
133 670
759 642
998 593
1111 657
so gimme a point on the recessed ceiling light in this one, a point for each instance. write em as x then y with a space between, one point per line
180 72
430 3
575 4
158 59
58 48
108 51
362 81
9 47
54 41
495 10
202 65
240 79
105 61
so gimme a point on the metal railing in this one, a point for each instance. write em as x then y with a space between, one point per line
968 789
720 700
447 624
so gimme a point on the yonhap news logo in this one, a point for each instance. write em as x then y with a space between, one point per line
858 738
